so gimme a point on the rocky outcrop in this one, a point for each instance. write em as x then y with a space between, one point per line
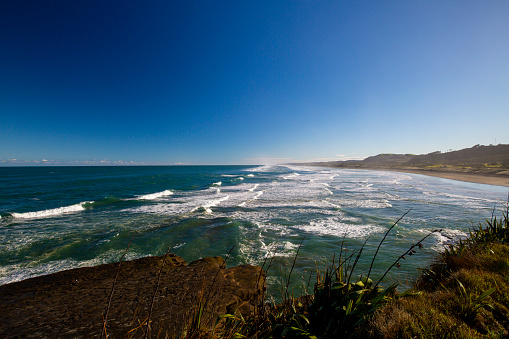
73 303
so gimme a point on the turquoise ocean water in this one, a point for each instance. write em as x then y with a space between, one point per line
56 218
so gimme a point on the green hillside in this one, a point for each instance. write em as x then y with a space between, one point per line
492 159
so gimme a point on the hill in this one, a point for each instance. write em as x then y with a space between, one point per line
485 160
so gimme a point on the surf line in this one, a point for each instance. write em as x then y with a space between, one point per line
82 206
155 195
212 203
53 212
258 194
253 188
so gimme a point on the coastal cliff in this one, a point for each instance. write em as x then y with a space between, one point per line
479 164
72 303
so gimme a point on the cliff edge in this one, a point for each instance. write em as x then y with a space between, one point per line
72 303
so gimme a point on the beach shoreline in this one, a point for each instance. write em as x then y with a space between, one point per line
495 180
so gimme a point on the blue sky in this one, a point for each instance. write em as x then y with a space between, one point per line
241 82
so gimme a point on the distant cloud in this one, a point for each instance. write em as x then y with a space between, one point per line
103 162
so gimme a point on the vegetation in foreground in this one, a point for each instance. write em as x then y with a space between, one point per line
464 294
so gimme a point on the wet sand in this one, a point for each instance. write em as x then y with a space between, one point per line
498 180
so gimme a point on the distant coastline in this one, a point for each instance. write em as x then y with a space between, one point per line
478 164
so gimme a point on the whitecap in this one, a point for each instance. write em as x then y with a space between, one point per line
253 188
212 203
52 212
155 195
291 176
259 194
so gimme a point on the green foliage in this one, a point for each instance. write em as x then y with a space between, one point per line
493 231
463 295
340 307
472 306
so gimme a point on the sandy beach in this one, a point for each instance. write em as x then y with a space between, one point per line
468 177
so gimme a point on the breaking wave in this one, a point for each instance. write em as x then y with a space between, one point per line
155 195
52 212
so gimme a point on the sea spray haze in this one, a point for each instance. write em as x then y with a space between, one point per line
55 218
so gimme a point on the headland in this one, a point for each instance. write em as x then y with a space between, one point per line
164 291
478 164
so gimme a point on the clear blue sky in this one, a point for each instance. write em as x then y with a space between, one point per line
235 82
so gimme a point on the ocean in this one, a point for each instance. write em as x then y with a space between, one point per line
57 218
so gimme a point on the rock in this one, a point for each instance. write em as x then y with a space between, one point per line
72 303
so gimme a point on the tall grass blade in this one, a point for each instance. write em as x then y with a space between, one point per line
105 319
383 239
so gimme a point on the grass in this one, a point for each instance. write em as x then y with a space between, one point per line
464 294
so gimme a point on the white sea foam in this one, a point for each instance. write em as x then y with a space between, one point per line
240 195
364 203
163 209
336 227
52 212
155 195
219 183
250 175
256 250
287 192
212 203
462 197
332 204
253 188
259 194
446 237
284 249
18 272
14 273
192 201
178 245
291 176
